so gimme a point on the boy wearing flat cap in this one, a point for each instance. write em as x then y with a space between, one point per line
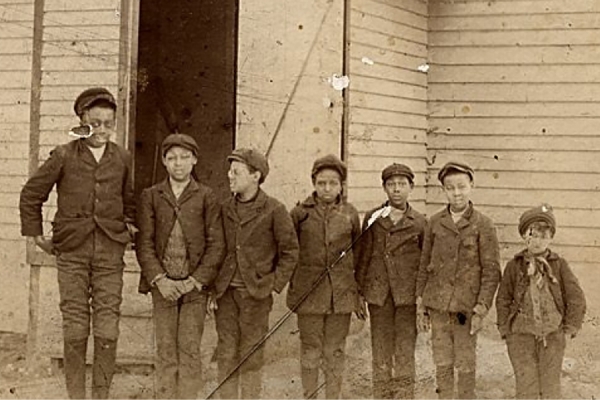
326 226
261 253
539 302
96 210
180 248
458 276
387 275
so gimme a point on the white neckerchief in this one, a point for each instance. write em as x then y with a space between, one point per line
97 151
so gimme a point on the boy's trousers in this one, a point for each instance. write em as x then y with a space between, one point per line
453 347
178 328
323 344
537 366
393 339
241 321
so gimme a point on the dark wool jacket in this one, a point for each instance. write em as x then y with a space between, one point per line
263 246
200 218
390 256
324 233
460 263
90 194
567 293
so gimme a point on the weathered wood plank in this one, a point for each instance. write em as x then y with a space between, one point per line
392 12
81 18
358 51
386 42
15 79
458 142
94 48
366 132
80 5
81 33
386 87
512 110
15 46
92 78
80 63
17 12
387 102
516 22
9 29
389 118
389 72
386 149
515 38
514 73
516 126
388 26
516 7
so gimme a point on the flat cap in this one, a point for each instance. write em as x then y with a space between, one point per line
253 158
179 140
397 169
88 97
456 167
542 213
331 162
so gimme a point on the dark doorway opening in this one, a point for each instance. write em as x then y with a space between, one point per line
186 83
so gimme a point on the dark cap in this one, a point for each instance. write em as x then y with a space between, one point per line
397 169
454 166
90 96
542 213
179 140
331 162
252 158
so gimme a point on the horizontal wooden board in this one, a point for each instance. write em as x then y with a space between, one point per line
502 160
13 151
9 29
12 183
386 149
369 37
387 102
520 197
92 78
514 73
13 97
512 110
516 126
16 12
77 33
520 55
516 7
388 26
54 137
9 215
15 79
80 63
390 118
377 163
517 93
14 112
393 12
80 5
15 46
389 72
58 123
81 18
67 93
529 37
386 87
367 132
96 48
552 143
359 51
511 22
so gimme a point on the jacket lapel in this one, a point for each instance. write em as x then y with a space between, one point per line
256 209
447 222
86 154
189 191
165 192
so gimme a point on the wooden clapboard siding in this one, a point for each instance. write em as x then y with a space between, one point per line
16 38
387 97
514 90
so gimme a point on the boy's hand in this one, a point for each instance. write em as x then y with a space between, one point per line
476 323
423 321
211 305
361 312
168 289
186 286
45 244
570 332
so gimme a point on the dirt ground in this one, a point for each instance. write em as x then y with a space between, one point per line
581 369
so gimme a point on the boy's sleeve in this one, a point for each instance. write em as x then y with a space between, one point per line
489 258
36 191
366 250
573 296
128 193
423 273
214 239
287 247
145 248
357 249
505 299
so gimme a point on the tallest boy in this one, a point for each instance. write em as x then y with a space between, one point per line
90 230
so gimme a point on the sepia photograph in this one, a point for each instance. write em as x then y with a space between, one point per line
300 199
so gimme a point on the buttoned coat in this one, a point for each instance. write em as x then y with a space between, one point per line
460 262
390 256
324 232
263 246
200 217
566 291
90 194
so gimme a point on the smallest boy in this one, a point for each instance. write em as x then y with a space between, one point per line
458 277
387 275
539 302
